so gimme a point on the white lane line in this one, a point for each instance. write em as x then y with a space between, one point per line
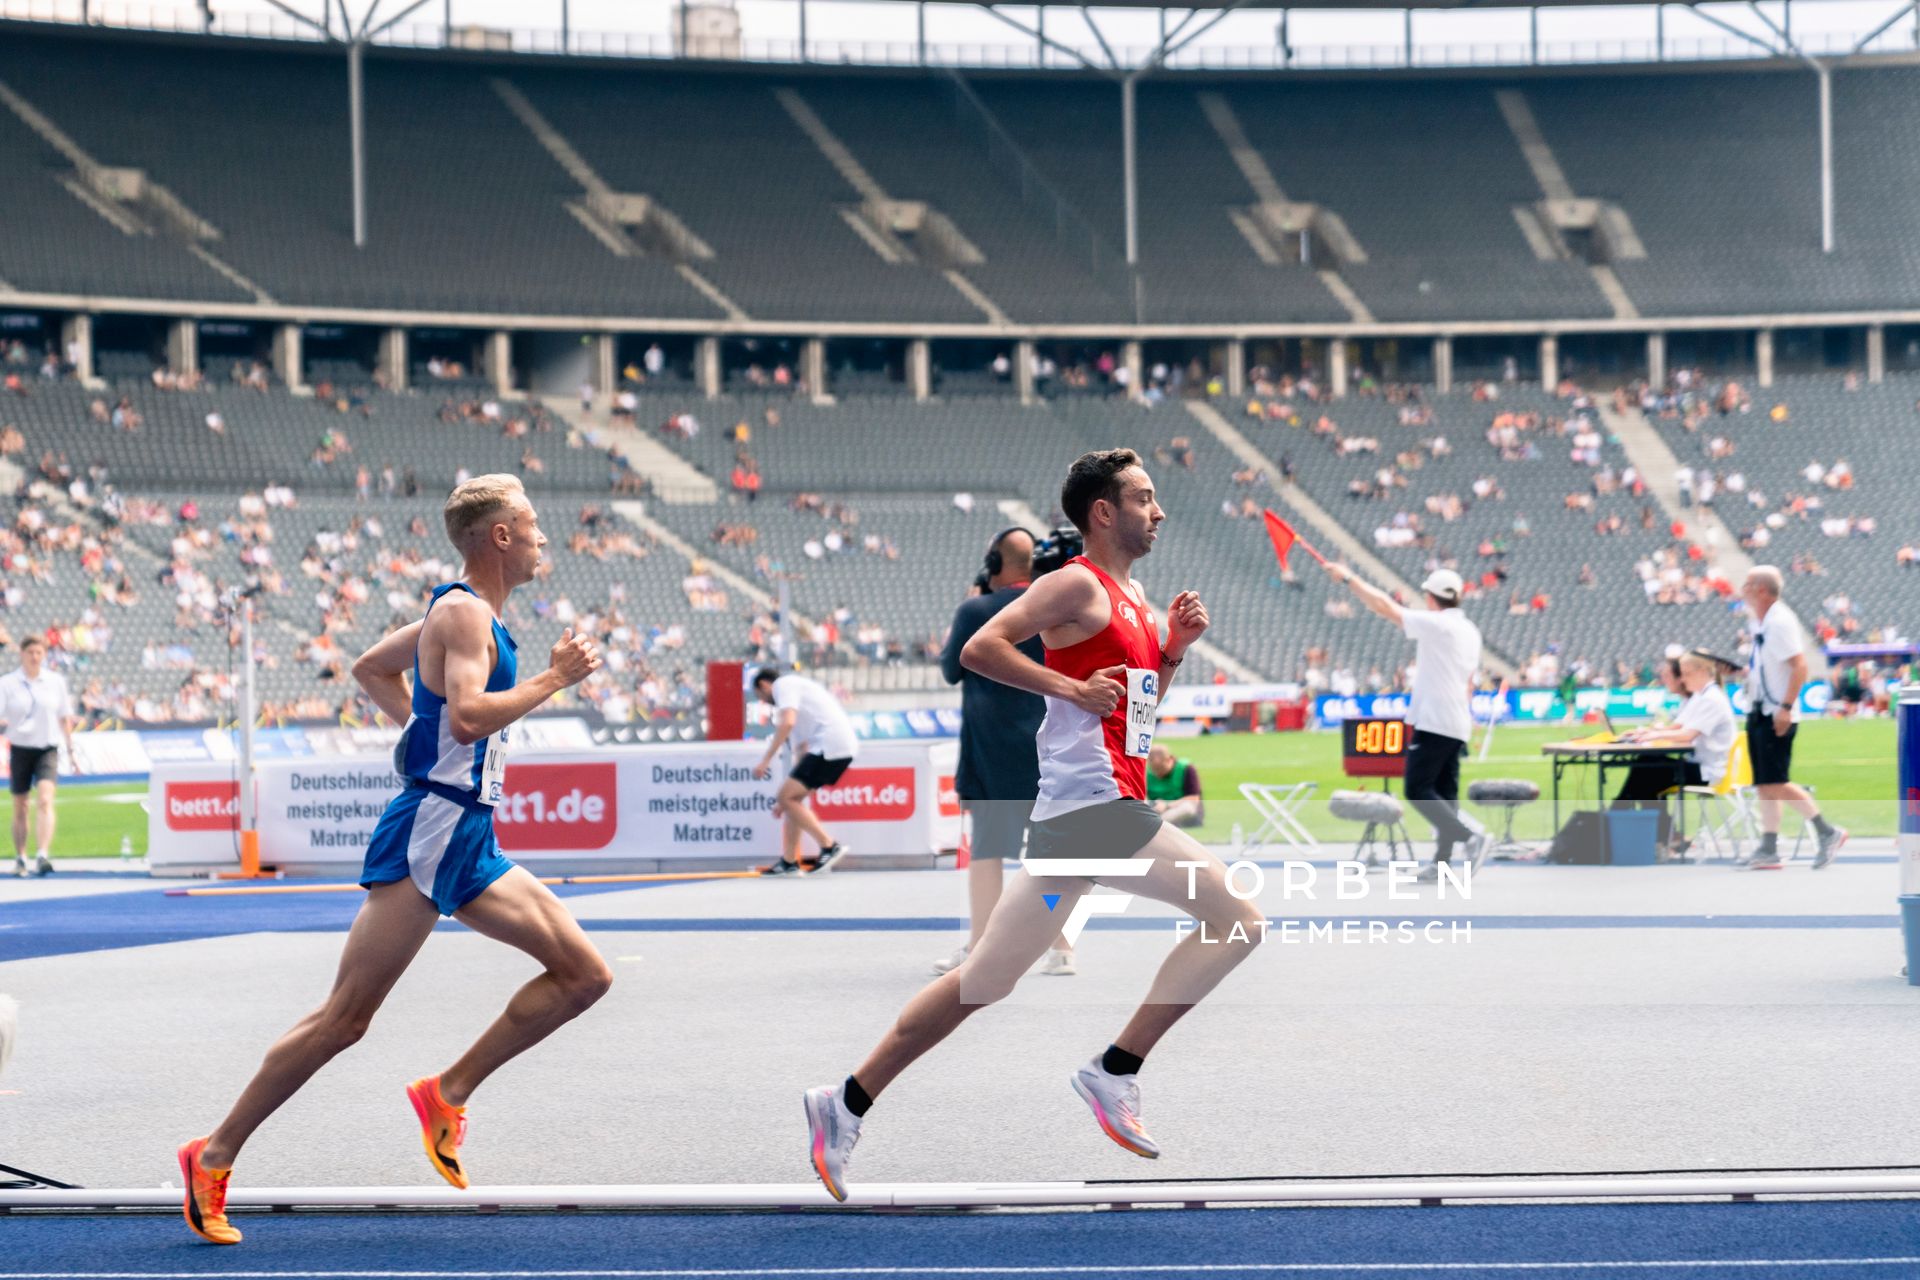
1197 1268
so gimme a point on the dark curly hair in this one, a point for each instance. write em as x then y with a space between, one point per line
1092 477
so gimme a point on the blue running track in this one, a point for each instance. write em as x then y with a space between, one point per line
1830 1240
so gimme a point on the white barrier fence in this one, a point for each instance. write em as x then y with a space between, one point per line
613 808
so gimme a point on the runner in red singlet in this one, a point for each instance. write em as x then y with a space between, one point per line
1106 669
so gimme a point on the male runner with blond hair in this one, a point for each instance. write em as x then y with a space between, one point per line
434 852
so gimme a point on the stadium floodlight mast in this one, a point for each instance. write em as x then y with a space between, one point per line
1788 47
355 36
1129 77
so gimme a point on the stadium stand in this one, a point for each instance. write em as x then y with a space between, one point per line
782 250
1487 481
140 496
1195 266
1025 271
1734 227
471 213
165 438
54 243
1439 234
1811 475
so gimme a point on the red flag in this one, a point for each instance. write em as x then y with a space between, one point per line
1282 534
1284 537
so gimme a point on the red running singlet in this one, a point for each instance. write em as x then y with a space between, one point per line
1083 757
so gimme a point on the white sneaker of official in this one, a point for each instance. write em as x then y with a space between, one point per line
948 963
1058 964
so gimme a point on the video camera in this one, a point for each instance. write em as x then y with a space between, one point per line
1062 545
1058 547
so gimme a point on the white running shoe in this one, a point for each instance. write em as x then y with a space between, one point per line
832 1133
1059 964
948 963
1115 1101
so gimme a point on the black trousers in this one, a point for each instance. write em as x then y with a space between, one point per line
1648 778
1433 787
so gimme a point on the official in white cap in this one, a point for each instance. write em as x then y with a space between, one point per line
1446 655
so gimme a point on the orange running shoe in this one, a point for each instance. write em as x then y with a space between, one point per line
443 1127
206 1207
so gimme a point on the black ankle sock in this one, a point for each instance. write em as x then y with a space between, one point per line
1770 842
1118 1062
856 1098
1821 825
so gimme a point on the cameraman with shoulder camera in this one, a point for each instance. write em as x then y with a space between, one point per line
999 774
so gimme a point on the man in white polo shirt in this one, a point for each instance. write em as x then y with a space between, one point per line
1446 656
806 712
1776 668
38 713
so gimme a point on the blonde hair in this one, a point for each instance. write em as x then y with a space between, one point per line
477 501
1701 662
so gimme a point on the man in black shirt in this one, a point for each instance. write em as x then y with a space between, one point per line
999 773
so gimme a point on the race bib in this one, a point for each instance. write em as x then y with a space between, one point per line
1143 707
493 768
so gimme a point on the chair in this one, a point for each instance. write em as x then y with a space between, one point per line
1732 798
1384 815
1738 803
1279 805
1508 794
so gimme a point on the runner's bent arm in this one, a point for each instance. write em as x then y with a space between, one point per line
1053 601
472 712
381 671
1186 620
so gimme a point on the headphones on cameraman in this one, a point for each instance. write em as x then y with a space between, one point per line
993 561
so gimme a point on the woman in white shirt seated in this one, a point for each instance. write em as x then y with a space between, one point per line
1705 724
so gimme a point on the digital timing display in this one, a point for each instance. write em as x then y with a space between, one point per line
1375 737
1374 748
